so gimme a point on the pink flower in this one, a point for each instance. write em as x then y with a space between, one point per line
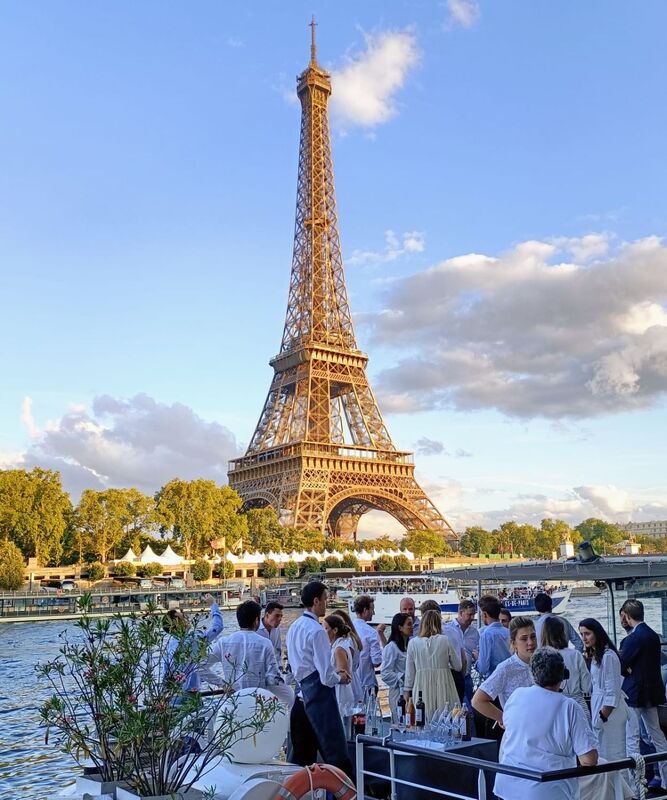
132 698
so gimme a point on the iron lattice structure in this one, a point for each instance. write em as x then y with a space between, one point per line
321 454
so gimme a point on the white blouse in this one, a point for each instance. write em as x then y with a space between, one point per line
393 666
607 682
509 675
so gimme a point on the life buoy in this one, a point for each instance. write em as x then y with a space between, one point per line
61 609
317 776
105 599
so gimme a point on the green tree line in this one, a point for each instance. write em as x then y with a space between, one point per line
38 517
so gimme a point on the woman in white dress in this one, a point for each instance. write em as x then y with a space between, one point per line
509 675
394 658
578 685
357 647
430 660
608 707
341 659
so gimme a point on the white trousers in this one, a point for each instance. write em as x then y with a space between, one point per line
612 733
649 716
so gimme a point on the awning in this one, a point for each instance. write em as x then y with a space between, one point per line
555 571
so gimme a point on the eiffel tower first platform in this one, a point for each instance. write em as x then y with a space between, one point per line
321 454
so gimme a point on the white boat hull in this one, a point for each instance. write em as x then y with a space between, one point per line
387 605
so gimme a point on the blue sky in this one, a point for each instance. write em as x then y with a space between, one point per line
500 173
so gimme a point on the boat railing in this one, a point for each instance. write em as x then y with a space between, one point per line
486 769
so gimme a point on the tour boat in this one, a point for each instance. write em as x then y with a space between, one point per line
388 589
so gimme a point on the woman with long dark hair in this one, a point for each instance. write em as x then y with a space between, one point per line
393 660
608 708
578 685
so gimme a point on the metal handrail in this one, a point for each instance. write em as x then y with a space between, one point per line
482 765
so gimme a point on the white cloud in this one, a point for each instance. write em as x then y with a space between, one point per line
610 500
410 242
529 334
364 88
27 418
137 442
584 248
429 447
10 459
463 12
457 503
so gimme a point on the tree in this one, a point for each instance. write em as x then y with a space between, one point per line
201 570
199 511
511 537
384 564
552 532
97 521
138 517
310 564
12 566
291 570
599 533
264 531
34 512
426 543
95 571
384 543
229 569
150 570
331 562
125 568
350 561
271 569
303 540
476 540
402 563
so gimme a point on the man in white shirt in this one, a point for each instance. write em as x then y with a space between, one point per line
315 722
269 627
247 659
371 653
544 730
465 637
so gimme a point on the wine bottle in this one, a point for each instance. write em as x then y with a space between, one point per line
410 713
420 712
400 709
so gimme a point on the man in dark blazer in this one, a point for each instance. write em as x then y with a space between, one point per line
643 686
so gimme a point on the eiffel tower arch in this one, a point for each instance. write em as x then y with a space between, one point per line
321 454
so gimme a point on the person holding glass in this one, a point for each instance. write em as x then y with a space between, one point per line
430 659
608 707
578 684
394 657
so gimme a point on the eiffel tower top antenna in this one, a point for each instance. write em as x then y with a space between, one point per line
313 43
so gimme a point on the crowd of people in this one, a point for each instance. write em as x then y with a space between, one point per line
552 695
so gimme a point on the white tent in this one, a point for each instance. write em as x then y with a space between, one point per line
169 557
129 556
148 556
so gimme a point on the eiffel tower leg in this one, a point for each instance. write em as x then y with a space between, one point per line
343 528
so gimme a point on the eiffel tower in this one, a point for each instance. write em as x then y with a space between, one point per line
321 454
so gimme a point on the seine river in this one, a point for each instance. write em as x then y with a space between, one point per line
32 770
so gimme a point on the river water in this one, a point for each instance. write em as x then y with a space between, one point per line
32 770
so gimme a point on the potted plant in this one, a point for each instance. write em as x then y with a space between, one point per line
119 701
